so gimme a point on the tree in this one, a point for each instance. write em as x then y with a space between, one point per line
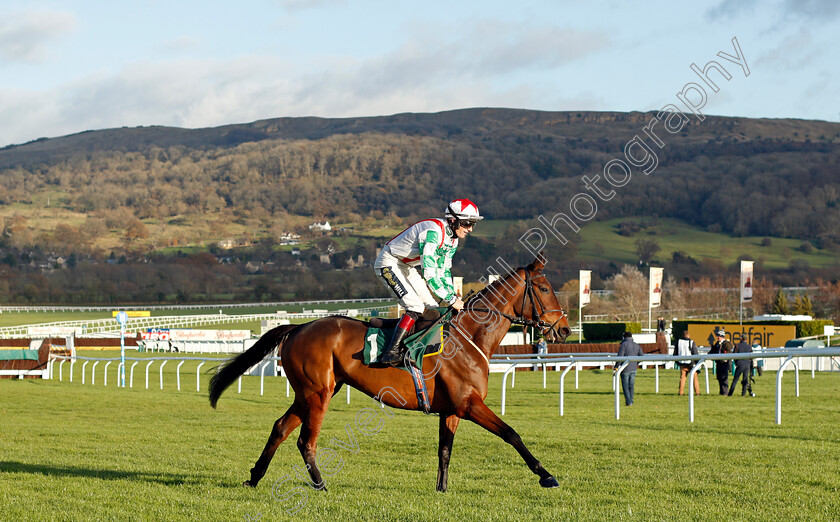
646 249
630 291
802 306
780 303
136 230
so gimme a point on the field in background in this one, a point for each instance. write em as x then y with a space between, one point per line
602 242
73 451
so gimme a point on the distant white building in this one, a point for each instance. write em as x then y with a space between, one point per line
321 227
780 317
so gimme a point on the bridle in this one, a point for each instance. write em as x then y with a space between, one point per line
537 309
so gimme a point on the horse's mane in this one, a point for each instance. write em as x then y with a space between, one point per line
494 288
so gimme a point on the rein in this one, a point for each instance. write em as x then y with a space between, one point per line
535 304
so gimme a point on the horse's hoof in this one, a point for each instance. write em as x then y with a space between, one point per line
247 484
549 482
320 487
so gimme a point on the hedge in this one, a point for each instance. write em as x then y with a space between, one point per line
609 331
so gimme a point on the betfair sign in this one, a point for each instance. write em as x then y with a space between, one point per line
767 335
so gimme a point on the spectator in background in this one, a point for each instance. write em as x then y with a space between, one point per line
742 369
660 324
684 348
721 367
542 346
541 349
628 348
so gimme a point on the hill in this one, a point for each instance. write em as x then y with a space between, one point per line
737 175
165 196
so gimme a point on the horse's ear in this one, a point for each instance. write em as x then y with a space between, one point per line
538 263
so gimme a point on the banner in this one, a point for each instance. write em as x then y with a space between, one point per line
585 284
655 287
746 281
155 334
133 313
767 335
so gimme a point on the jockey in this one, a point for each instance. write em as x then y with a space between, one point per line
427 245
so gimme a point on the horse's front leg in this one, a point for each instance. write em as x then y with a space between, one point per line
448 425
479 413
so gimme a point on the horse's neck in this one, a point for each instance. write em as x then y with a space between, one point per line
488 334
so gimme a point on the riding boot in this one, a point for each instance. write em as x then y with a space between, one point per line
394 353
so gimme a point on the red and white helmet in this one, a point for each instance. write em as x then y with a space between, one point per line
463 209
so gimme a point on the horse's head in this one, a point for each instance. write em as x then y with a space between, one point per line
540 306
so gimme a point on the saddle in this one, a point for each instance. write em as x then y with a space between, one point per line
424 339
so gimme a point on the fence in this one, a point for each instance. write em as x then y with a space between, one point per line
205 306
791 357
109 325
566 361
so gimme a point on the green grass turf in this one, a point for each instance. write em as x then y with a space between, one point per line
83 452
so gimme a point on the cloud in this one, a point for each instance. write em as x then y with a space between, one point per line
729 8
794 52
26 36
484 53
302 5
181 44
474 67
820 10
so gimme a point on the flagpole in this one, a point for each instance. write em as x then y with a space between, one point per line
649 313
580 320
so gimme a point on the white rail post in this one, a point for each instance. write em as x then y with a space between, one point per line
691 376
83 371
106 372
544 376
504 384
131 382
562 385
577 371
616 377
513 378
71 369
178 373
239 385
198 376
161 372
779 388
93 373
147 373
61 369
348 392
656 367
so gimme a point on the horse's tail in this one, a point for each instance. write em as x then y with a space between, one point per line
236 366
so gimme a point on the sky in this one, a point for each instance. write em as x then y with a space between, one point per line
71 66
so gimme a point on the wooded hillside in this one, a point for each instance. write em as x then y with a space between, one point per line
742 176
125 194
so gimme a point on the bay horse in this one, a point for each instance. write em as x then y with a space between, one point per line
320 356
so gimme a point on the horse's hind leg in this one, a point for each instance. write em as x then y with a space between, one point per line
281 430
317 404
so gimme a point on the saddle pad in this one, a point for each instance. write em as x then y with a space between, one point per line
424 343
